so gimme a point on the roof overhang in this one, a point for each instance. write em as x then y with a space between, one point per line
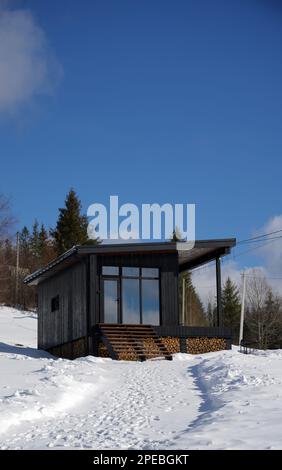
203 252
189 257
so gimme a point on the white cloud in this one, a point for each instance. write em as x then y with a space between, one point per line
27 66
271 252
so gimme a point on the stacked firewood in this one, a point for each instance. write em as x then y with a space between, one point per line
204 345
102 350
198 345
150 347
79 348
127 356
171 343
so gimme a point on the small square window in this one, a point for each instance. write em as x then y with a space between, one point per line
130 272
55 304
150 272
110 270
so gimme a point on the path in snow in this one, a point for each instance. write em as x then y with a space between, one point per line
140 405
222 400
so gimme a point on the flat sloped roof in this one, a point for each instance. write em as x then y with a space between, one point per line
202 252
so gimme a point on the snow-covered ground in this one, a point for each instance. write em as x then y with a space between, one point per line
223 400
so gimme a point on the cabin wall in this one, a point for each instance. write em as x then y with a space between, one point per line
168 266
69 322
78 288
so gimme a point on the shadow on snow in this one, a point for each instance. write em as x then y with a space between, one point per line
23 351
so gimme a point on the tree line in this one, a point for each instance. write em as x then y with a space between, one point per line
263 311
38 245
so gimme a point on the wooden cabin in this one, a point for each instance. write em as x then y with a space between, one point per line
122 301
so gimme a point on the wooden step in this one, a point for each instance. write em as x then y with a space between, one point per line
124 325
127 333
130 340
117 331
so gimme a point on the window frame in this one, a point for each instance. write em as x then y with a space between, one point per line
119 277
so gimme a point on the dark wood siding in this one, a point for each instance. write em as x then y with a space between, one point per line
70 321
78 288
169 291
94 291
194 331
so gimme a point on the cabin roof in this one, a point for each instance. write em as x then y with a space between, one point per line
202 252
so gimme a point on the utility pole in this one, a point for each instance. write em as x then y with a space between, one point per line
241 335
17 269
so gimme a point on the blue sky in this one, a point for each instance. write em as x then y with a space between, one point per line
155 101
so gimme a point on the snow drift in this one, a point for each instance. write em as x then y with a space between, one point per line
222 400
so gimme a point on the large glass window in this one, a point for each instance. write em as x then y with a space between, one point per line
130 301
110 301
138 290
150 302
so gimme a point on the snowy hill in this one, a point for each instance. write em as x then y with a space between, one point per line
222 400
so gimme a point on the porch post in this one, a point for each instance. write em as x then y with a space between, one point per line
218 293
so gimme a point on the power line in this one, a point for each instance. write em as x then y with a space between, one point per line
257 239
260 240
227 259
264 277
253 248
258 236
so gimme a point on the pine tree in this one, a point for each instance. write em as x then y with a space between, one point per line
273 323
194 313
25 248
42 240
231 307
46 248
71 228
34 240
7 273
24 237
210 313
36 250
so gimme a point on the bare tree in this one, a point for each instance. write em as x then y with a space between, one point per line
6 219
7 252
263 316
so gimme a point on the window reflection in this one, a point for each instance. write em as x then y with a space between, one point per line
130 283
150 302
130 301
110 301
110 270
150 272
